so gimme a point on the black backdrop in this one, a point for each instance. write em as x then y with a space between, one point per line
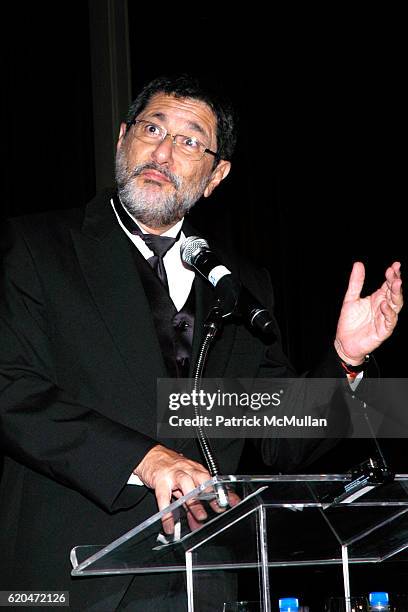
317 177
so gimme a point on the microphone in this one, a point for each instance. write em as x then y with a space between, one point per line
234 298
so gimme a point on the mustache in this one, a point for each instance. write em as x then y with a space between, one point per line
152 166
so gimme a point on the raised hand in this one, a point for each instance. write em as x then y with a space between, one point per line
365 323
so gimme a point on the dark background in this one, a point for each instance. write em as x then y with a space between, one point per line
317 177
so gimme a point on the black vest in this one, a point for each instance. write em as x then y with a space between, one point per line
174 329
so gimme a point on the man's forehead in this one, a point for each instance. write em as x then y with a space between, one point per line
188 111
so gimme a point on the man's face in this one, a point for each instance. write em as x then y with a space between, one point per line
156 183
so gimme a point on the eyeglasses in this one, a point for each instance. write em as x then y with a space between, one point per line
188 146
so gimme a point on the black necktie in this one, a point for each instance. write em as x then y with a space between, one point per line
159 245
156 243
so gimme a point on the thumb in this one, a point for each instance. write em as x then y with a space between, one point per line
356 282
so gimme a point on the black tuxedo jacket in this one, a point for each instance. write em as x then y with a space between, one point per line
79 359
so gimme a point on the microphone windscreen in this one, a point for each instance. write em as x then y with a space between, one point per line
191 247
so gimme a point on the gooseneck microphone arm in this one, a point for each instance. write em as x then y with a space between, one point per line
212 325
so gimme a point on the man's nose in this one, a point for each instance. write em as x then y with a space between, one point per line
163 152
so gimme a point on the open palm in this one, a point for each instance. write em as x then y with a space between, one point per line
365 323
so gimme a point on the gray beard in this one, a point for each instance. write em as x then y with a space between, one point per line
159 209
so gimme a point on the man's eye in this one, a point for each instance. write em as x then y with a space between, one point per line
190 142
152 130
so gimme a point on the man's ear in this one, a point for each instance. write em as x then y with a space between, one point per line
219 173
122 133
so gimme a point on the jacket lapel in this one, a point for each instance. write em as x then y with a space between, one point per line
107 261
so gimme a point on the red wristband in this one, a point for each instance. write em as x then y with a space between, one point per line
353 370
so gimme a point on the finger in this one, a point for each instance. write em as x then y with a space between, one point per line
192 522
196 513
196 508
393 288
233 498
186 484
183 481
356 282
390 316
163 494
397 268
396 293
216 508
392 273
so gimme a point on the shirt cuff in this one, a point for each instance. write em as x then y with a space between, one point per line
355 380
135 480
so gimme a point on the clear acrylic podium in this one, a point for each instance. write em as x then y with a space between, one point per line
277 521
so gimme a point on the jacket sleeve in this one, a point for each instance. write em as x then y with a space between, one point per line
41 426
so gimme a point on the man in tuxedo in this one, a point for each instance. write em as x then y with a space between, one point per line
94 308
